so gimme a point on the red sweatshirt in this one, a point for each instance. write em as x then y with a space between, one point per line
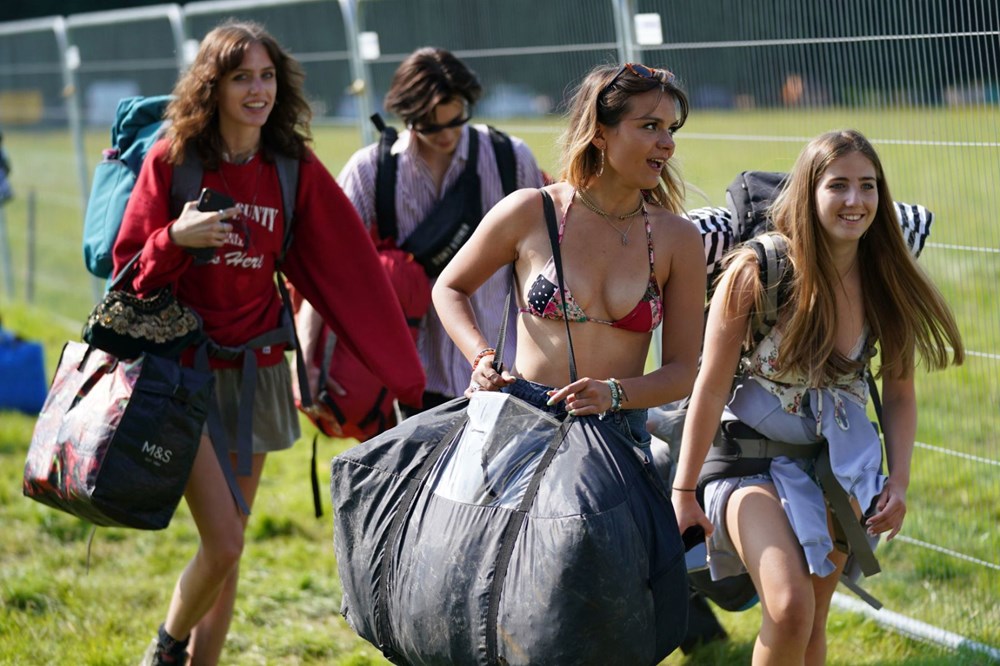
332 262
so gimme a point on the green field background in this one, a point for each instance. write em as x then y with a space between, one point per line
54 611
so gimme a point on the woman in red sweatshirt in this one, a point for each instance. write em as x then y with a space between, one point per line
239 106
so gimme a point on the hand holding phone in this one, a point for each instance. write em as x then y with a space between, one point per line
210 201
214 201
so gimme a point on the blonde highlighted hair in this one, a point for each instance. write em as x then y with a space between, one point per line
907 314
603 98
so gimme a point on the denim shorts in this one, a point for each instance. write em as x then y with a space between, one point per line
630 422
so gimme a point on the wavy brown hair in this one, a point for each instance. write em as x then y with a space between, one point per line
906 312
194 111
428 77
604 97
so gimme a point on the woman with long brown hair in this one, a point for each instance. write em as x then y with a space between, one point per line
237 110
854 285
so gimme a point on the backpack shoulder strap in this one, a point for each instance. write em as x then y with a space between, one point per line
288 179
506 159
472 153
775 271
385 180
186 181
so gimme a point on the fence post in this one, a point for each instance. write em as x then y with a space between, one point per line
361 84
29 280
8 271
70 62
624 13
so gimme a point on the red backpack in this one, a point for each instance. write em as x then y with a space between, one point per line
367 408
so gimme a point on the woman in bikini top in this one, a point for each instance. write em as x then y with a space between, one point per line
544 300
616 180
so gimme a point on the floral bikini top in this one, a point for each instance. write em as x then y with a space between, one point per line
544 300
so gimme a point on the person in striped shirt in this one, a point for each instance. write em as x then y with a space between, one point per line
434 94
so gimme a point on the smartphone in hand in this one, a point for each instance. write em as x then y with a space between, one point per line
214 201
210 201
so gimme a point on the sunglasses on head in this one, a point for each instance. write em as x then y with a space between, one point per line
431 128
643 72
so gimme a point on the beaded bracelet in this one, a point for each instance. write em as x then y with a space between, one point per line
621 389
616 396
489 351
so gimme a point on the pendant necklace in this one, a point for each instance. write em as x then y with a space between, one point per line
243 229
256 184
589 203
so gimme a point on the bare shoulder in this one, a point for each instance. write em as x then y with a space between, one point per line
521 211
673 232
519 201
515 213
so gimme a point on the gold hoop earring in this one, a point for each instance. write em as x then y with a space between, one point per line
600 168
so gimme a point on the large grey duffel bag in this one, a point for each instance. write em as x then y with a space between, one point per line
490 532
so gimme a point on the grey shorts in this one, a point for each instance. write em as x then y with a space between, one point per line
275 417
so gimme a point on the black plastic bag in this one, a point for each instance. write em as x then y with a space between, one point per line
490 532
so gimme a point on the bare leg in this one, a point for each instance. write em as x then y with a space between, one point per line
767 545
220 528
209 636
823 589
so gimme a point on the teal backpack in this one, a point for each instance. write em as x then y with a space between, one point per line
137 126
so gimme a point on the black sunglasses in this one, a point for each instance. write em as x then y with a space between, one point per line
431 128
643 72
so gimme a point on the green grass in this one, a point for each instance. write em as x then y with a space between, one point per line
52 610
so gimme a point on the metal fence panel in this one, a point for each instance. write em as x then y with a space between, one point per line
918 77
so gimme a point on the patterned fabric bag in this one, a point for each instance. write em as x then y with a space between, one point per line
126 325
116 439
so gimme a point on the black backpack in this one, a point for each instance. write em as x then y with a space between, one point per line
749 198
453 219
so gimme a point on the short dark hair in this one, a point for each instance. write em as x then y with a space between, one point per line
430 76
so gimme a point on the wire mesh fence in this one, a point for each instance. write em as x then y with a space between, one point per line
918 77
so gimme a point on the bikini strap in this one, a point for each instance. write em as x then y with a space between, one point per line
649 240
562 222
